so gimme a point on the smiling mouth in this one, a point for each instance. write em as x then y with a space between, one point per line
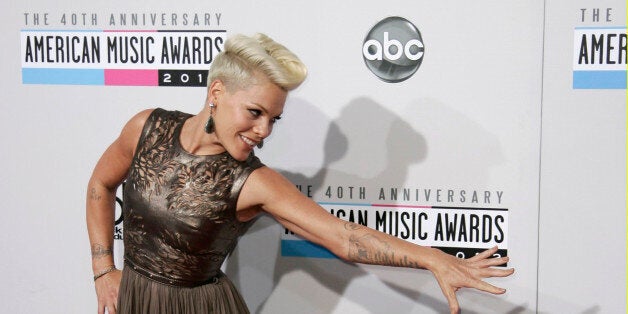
248 141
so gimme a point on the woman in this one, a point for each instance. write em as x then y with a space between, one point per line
194 185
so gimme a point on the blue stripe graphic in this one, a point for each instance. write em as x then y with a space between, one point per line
63 76
599 79
601 27
302 248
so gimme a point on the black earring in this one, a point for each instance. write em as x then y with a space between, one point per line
209 125
260 144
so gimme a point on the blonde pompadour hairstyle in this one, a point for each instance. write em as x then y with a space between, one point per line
244 57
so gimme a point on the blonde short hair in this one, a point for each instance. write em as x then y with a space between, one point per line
244 57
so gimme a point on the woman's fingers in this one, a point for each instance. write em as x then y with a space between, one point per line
455 273
487 287
489 262
485 268
454 307
450 294
495 272
484 254
111 309
108 307
486 259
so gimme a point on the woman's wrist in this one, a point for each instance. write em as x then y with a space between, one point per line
104 271
429 258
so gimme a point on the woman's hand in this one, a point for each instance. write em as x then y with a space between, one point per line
453 273
107 291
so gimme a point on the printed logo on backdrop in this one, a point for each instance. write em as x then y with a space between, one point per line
120 49
393 49
118 233
460 222
118 229
600 54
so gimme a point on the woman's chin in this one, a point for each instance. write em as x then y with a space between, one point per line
241 154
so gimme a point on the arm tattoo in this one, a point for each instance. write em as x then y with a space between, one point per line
99 251
93 195
369 249
351 226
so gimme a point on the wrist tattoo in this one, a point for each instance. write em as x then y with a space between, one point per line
99 251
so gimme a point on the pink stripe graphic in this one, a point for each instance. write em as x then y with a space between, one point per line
131 31
404 206
132 77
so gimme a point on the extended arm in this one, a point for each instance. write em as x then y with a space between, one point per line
356 243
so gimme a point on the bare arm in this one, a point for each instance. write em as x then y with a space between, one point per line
110 171
352 242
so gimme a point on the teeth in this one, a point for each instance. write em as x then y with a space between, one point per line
247 140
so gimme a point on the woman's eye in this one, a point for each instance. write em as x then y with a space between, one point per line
255 112
275 119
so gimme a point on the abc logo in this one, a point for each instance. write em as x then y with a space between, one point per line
393 49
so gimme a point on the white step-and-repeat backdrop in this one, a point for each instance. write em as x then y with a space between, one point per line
453 124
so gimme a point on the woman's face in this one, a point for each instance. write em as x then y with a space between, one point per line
245 117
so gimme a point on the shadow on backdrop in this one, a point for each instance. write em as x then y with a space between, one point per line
366 143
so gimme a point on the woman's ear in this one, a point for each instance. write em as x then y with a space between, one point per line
216 88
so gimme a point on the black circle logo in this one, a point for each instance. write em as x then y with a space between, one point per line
393 49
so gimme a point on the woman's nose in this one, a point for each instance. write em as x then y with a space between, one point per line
263 128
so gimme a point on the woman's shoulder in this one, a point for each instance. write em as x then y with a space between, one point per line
132 130
137 122
143 115
161 114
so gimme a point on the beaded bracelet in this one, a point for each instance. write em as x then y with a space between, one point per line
104 272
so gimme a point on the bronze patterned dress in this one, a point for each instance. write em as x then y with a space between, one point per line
180 224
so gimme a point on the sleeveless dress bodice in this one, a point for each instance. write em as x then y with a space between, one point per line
179 209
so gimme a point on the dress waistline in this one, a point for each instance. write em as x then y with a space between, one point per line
171 281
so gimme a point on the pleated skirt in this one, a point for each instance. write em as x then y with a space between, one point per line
140 295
